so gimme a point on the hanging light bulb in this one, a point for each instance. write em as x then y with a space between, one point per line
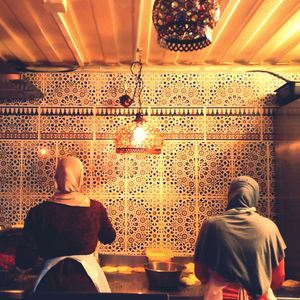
43 152
138 136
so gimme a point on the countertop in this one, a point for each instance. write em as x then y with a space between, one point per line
138 283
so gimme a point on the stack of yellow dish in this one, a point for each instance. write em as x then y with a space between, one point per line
110 269
122 269
188 276
290 283
159 254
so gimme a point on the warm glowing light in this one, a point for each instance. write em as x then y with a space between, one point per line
139 135
43 152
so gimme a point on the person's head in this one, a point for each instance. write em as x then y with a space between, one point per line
243 193
69 174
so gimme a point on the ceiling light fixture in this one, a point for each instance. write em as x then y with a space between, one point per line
48 68
138 136
185 25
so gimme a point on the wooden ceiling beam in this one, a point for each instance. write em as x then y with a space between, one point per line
14 36
293 55
58 8
39 24
106 31
282 42
268 20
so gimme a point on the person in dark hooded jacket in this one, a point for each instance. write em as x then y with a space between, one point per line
240 254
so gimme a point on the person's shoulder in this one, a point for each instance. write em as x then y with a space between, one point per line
97 204
266 225
215 220
37 210
265 220
40 206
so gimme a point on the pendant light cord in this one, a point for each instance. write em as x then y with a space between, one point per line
136 70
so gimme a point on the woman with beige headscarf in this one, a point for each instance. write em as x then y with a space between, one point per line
64 231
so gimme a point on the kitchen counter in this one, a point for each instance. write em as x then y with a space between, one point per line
138 283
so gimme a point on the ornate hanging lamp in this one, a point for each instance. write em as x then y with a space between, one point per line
185 25
138 136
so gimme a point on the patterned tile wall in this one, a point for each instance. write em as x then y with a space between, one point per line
216 126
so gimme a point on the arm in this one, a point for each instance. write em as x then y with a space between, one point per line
201 271
278 275
27 250
107 233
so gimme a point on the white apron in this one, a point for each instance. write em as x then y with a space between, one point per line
90 265
213 291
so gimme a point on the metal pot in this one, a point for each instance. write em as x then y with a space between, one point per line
163 275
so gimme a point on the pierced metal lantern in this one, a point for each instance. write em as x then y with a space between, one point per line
138 136
185 25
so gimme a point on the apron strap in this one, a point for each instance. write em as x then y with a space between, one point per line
242 295
90 265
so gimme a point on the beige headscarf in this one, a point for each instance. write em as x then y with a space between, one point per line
69 179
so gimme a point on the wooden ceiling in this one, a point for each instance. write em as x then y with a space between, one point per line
103 34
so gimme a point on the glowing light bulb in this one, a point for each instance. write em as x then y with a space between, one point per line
43 152
139 135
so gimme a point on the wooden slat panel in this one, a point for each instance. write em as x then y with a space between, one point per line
104 20
145 29
202 56
293 55
83 17
126 18
230 30
154 54
5 53
282 42
103 33
34 23
271 22
15 37
194 57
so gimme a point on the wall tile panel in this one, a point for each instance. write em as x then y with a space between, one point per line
70 89
38 171
10 167
107 169
67 127
216 126
144 215
250 158
19 126
10 209
214 163
178 175
178 223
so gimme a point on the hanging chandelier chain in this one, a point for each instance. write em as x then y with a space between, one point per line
138 136
136 70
